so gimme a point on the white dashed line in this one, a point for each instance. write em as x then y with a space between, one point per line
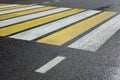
50 64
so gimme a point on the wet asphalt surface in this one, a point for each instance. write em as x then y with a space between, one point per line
19 59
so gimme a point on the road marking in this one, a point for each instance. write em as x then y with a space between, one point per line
8 6
47 28
13 7
36 22
31 16
95 39
20 9
17 14
33 27
3 4
50 64
65 35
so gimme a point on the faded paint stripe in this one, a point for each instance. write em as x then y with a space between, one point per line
8 6
47 28
36 22
13 7
17 14
3 4
20 9
95 39
50 64
65 35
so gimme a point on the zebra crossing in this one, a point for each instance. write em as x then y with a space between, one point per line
58 25
12 7
4 6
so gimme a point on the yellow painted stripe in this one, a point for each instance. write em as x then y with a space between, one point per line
16 14
63 36
13 7
3 4
29 24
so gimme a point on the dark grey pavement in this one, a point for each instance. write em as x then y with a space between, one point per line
19 59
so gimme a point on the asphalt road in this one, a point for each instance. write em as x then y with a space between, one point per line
112 5
22 60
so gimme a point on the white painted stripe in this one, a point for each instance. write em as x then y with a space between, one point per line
50 64
95 39
50 27
8 5
31 16
20 9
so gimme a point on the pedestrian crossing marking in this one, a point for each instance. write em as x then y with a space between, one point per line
29 24
63 36
16 14
30 17
99 36
20 9
3 4
13 7
66 22
53 26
